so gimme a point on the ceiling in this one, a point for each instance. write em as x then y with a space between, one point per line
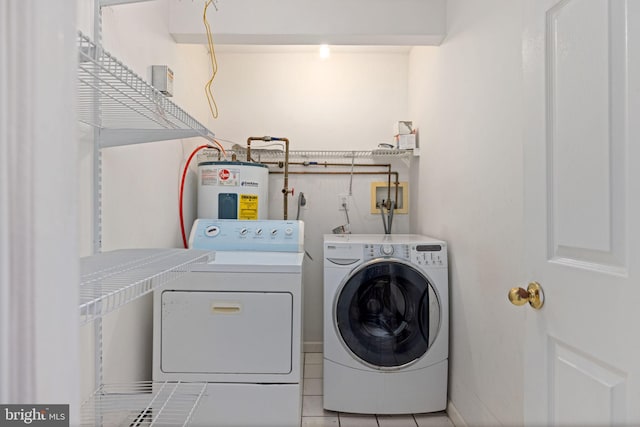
307 22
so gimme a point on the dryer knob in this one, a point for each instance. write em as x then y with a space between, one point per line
212 231
386 250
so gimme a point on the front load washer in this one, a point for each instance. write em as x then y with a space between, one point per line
386 328
236 324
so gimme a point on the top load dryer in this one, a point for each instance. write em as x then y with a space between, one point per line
236 323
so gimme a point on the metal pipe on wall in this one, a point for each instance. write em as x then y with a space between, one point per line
326 164
212 147
285 189
396 174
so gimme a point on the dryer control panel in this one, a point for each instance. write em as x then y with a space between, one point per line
245 235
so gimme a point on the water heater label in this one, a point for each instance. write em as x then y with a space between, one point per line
209 177
248 206
228 177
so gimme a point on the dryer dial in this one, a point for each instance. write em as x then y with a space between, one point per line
212 231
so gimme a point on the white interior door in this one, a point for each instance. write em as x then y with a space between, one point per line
582 205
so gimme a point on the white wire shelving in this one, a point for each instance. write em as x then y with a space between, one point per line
110 280
264 154
142 404
126 108
390 153
313 157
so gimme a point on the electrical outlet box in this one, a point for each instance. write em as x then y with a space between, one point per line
162 79
344 201
380 195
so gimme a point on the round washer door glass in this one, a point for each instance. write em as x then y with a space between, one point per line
387 313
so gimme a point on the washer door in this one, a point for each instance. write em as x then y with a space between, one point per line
387 313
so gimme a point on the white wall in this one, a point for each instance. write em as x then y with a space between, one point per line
467 94
140 183
349 101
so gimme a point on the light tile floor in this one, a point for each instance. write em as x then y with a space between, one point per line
313 415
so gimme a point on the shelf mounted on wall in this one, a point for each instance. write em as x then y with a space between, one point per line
110 280
259 154
123 106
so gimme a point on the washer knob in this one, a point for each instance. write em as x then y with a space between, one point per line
258 231
274 231
243 231
386 249
288 231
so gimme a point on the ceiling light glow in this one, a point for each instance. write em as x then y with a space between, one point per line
325 52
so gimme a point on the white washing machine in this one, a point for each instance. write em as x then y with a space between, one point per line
386 328
236 323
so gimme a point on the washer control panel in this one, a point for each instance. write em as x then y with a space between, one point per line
429 254
386 250
420 254
241 235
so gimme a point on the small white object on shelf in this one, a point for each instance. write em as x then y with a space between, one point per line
404 127
407 142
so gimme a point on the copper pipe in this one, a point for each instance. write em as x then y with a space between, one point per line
285 190
396 174
389 190
211 147
254 138
325 164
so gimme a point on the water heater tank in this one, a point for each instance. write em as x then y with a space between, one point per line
233 190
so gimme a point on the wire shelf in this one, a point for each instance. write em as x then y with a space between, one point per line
259 154
112 279
142 404
129 110
349 154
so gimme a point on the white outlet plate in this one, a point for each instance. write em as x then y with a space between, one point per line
344 200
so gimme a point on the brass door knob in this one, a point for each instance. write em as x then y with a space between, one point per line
532 295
